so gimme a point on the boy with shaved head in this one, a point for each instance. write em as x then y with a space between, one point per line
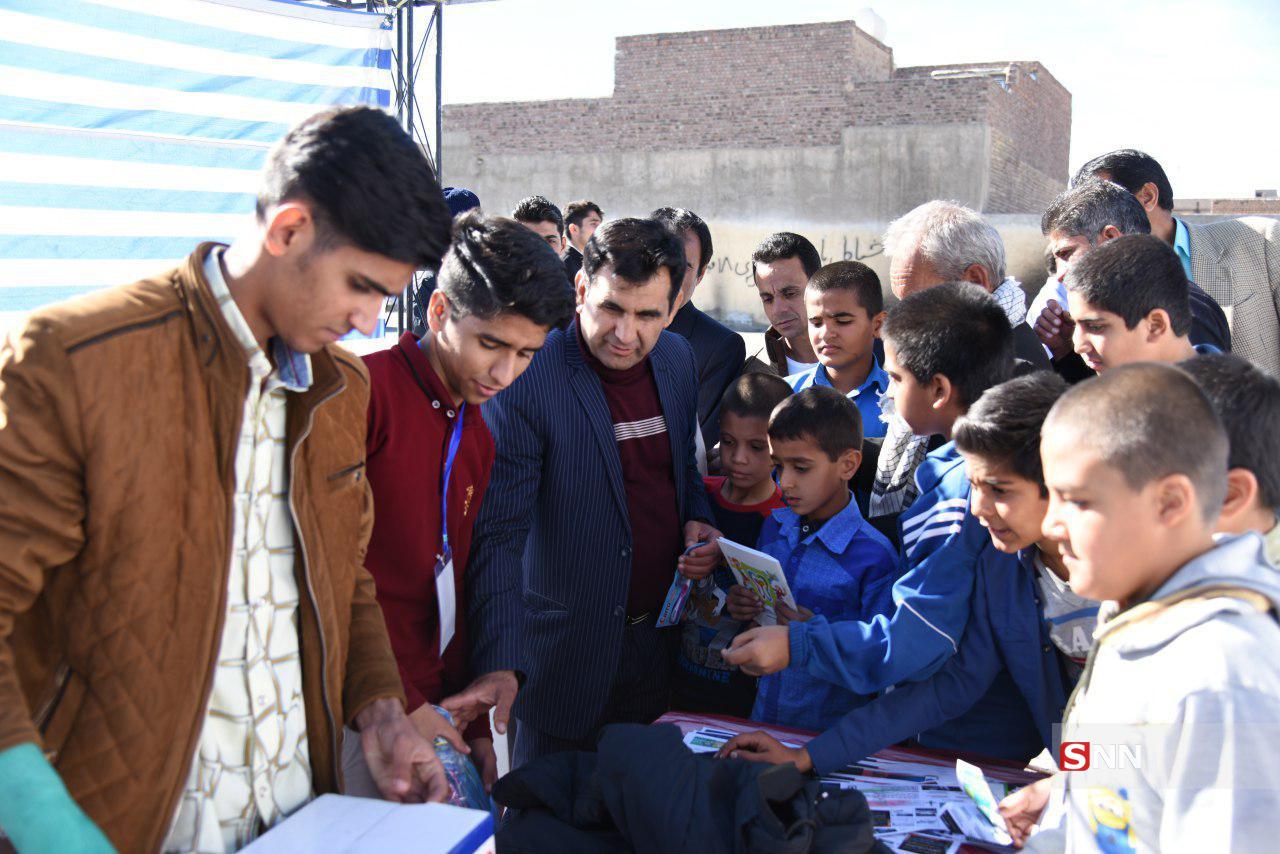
1182 686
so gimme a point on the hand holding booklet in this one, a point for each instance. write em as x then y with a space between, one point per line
761 574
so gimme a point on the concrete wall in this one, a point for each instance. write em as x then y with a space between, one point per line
873 173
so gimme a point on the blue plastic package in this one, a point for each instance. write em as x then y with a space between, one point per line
464 778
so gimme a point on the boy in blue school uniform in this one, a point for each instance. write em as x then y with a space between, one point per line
845 309
741 500
836 564
1026 642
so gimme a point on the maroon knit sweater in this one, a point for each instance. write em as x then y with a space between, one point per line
644 449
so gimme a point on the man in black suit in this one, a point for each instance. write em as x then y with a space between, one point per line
718 351
580 222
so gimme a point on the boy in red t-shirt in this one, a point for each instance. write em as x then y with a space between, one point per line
741 500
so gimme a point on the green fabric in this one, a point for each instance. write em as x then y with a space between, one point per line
37 812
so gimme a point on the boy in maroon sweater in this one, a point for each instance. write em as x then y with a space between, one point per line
500 290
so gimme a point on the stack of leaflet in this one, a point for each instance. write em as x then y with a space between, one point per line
919 803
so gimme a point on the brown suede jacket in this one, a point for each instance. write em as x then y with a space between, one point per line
119 418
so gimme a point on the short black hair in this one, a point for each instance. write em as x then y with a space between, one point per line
1147 421
821 414
957 330
755 394
538 209
783 245
496 265
636 249
1003 426
1247 401
680 220
367 185
576 212
1130 169
850 276
1092 205
1132 276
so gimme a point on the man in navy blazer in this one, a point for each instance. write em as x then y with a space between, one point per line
593 498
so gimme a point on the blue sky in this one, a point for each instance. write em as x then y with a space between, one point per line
1196 84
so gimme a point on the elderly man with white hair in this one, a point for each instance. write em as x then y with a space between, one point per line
932 244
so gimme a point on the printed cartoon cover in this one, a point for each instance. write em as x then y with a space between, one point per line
761 574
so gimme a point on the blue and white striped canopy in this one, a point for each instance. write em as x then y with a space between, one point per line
132 129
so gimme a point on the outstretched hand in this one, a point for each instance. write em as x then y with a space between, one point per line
496 690
760 651
761 747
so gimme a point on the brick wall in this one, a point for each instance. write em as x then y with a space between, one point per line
1030 119
789 87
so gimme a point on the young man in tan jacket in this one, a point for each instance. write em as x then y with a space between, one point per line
186 624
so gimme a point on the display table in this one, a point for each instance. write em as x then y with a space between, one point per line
907 789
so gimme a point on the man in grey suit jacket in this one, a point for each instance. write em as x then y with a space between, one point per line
593 501
1236 261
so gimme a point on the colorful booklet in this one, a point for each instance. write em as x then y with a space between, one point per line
761 574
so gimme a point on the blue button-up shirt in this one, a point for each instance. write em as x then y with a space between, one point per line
1182 244
866 396
842 571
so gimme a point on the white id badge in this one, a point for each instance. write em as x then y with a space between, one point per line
447 599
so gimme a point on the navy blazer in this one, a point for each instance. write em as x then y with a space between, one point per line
1005 647
550 561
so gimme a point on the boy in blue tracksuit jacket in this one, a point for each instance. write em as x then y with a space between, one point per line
1004 690
835 563
943 348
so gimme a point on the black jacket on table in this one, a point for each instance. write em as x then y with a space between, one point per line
718 353
644 791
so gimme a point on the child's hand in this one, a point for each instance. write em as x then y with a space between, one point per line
742 604
702 552
1054 327
1023 809
762 747
760 651
786 615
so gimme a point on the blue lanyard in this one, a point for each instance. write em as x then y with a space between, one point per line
455 439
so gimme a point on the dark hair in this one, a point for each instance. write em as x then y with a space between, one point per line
576 212
1148 420
636 249
1130 169
787 244
851 276
1132 276
754 395
1003 426
1089 207
496 266
1247 401
1050 263
537 209
820 414
680 220
367 184
957 330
